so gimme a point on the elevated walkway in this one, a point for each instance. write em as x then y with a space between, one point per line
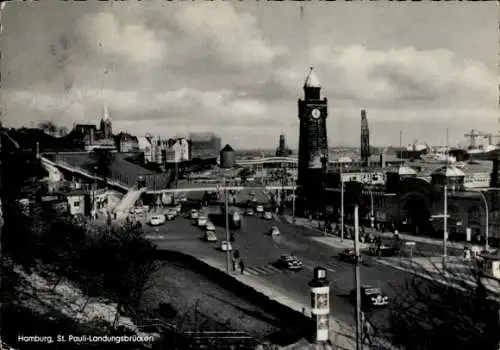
123 207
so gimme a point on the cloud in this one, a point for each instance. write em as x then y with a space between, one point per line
185 106
104 33
234 38
404 76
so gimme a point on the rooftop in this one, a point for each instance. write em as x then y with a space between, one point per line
448 171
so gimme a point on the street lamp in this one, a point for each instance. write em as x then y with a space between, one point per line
341 205
227 162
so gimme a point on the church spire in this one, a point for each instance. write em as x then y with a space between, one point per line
106 116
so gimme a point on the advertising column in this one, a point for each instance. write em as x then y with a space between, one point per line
320 304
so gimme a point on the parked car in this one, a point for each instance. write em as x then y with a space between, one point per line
371 297
193 214
171 214
274 231
259 208
383 250
268 215
349 255
178 208
249 212
202 220
157 220
225 246
290 262
210 236
209 226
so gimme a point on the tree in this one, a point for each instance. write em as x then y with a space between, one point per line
48 127
244 174
431 315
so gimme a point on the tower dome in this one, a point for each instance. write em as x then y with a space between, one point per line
312 80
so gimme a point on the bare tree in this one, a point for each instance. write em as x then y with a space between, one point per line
443 310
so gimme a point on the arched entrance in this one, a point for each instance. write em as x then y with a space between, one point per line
415 211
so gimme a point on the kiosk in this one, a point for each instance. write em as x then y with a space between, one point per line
320 304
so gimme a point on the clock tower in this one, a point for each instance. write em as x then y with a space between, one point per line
313 141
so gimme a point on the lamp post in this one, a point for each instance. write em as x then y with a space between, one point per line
357 281
341 206
227 162
372 217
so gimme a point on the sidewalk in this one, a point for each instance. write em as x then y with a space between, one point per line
314 224
342 335
457 274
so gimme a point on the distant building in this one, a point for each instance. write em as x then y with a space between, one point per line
178 151
94 138
144 145
205 145
126 142
282 150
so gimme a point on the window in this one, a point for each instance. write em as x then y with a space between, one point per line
76 204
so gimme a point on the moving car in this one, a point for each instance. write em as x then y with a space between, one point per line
210 236
371 297
202 220
249 212
225 246
274 231
290 262
259 208
349 255
268 215
383 250
157 220
194 214
209 226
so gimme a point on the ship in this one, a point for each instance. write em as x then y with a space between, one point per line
438 157
413 151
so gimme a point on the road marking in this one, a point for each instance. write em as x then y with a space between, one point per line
262 270
154 237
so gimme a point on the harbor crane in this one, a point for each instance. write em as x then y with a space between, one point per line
490 138
473 135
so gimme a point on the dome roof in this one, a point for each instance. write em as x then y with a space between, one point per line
227 148
448 171
312 80
406 170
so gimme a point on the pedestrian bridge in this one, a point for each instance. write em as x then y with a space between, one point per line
268 160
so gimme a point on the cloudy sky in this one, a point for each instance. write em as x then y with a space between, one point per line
237 68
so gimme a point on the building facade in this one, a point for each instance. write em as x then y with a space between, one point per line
96 138
126 143
313 141
204 145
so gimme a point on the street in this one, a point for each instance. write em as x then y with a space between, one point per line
259 251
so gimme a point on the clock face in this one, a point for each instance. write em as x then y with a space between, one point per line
315 113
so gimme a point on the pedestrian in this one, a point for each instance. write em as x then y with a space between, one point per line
368 330
242 267
234 264
396 234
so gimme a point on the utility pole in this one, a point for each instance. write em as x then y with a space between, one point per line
445 226
228 257
357 279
